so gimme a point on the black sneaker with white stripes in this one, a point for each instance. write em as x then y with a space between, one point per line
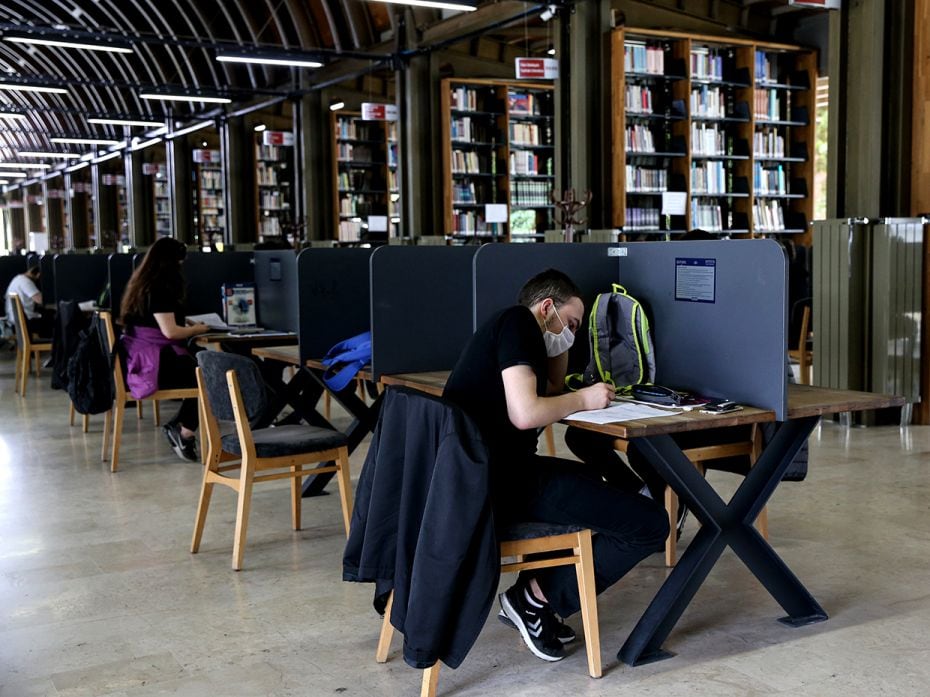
563 632
535 621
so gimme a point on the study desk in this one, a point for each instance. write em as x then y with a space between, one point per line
723 524
244 343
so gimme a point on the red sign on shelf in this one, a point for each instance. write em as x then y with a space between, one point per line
17 204
825 4
537 68
32 198
375 111
277 138
56 193
206 156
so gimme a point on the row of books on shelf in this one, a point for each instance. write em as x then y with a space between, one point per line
530 134
468 162
769 180
706 216
465 98
525 103
768 104
768 215
213 220
642 218
528 193
161 189
267 175
162 207
640 138
464 193
708 177
350 230
766 67
211 178
354 204
526 162
707 139
347 152
392 155
272 201
639 99
468 222
710 102
392 180
768 143
640 57
464 129
645 179
269 226
269 153
350 128
210 201
707 63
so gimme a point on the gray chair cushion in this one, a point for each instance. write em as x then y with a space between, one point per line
287 440
531 530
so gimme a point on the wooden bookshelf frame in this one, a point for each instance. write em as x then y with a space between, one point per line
804 61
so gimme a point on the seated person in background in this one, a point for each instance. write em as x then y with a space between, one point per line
39 321
155 337
509 379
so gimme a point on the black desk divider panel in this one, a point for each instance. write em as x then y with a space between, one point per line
502 269
47 276
79 277
120 268
10 267
276 289
725 333
206 272
334 298
421 307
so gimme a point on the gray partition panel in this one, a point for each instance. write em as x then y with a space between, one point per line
120 269
421 307
47 276
276 289
334 299
206 272
10 267
79 277
502 269
719 313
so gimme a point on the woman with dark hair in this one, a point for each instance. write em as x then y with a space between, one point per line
154 338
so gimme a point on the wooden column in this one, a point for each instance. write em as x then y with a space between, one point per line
920 180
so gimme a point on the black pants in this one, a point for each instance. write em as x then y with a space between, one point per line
42 326
627 527
178 372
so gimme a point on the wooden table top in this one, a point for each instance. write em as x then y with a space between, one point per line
289 354
431 383
317 364
211 339
806 400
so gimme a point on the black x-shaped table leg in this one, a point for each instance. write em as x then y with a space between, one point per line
365 417
722 525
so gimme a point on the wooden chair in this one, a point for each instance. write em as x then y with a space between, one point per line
26 348
802 354
113 419
231 389
573 547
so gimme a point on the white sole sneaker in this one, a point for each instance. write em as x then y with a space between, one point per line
514 616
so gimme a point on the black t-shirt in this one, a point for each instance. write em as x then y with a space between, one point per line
511 337
162 298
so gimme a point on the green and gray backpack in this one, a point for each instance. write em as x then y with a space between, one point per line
621 343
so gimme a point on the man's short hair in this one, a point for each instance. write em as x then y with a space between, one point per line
33 268
551 283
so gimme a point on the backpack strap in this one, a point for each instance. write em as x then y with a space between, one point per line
600 339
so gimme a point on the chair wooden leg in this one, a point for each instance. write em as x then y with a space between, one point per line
550 440
671 542
387 632
156 408
587 593
430 681
345 487
107 423
327 405
296 495
71 413
762 523
203 505
242 512
86 425
117 435
38 361
19 366
139 409
24 374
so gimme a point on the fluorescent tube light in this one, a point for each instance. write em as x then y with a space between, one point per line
124 122
260 127
16 87
12 174
12 115
38 153
4 181
190 129
336 106
64 43
75 168
185 98
142 144
463 5
259 59
21 165
85 141
108 156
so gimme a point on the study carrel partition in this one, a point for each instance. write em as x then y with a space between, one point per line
719 313
276 289
334 298
421 307
47 276
119 269
79 277
502 269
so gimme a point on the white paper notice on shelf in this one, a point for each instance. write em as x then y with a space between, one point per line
674 202
495 212
619 412
377 223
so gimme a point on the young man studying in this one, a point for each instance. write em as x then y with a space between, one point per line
510 379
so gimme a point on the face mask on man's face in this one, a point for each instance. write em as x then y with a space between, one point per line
557 344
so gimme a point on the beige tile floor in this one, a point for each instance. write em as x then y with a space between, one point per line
99 595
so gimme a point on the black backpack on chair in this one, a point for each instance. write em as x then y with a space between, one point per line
90 373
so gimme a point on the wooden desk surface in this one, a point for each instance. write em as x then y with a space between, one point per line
431 383
317 364
289 353
806 400
212 340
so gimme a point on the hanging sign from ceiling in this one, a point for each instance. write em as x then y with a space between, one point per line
206 156
277 138
825 4
537 68
374 111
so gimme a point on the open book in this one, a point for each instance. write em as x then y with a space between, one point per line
211 319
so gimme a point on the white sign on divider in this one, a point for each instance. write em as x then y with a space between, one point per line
377 223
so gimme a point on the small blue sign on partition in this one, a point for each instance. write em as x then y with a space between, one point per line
695 280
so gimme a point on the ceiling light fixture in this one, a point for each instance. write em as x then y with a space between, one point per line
260 127
12 174
259 59
85 141
64 43
463 5
337 105
142 144
38 153
24 165
124 122
75 168
193 128
12 115
19 87
108 156
185 98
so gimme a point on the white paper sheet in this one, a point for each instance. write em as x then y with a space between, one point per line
619 412
211 319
